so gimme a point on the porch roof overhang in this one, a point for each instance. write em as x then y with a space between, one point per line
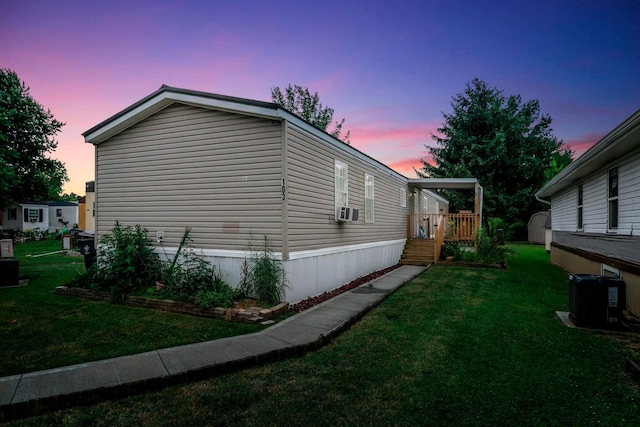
445 183
452 184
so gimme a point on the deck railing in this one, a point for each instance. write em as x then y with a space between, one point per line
446 227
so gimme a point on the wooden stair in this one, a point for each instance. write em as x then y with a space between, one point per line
418 252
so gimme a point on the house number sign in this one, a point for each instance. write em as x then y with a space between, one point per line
284 190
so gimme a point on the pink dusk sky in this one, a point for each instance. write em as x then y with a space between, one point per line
389 68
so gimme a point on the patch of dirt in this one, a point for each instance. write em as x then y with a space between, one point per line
310 302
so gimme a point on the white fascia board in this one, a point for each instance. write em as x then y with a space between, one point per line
165 99
445 183
591 157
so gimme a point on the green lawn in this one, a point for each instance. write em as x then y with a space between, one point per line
454 347
40 330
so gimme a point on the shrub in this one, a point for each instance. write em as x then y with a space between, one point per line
189 277
126 261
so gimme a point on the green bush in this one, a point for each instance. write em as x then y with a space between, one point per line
126 263
189 277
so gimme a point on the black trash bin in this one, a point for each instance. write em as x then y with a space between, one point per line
596 301
87 247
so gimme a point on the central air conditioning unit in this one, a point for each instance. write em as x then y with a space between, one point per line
347 214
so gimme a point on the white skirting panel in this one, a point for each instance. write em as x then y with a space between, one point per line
317 273
312 272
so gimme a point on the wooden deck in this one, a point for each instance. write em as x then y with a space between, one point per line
426 233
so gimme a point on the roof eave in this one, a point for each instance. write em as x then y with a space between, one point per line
611 146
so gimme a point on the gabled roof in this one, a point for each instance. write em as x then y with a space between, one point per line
616 145
166 95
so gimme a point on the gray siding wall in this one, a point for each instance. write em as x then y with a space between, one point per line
214 171
311 197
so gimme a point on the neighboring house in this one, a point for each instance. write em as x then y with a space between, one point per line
595 209
87 208
235 170
62 214
536 227
26 216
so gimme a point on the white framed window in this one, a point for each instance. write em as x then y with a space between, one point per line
32 215
368 198
425 205
403 197
609 271
58 213
342 183
580 197
613 198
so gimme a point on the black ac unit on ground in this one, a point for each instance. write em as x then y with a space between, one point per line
596 301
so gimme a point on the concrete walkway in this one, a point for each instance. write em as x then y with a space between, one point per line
87 383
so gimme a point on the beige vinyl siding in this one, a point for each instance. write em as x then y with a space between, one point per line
214 171
311 197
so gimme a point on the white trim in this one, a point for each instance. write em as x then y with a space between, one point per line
339 249
369 214
345 191
169 97
228 253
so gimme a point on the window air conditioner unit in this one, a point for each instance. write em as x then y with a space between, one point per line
33 220
343 213
355 212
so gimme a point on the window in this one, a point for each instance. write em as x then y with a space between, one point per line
403 197
12 214
368 198
342 184
32 215
93 211
580 207
613 198
58 213
425 205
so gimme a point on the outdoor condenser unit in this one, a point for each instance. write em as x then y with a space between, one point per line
596 301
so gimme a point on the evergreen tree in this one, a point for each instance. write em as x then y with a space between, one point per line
506 144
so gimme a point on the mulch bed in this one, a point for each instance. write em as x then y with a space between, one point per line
310 302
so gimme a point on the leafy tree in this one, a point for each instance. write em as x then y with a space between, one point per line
506 144
302 103
27 133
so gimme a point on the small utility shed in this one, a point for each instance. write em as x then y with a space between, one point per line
595 205
235 170
536 227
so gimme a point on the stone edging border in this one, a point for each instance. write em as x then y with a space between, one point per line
241 315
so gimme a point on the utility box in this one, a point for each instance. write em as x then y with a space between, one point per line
9 272
6 248
596 301
87 248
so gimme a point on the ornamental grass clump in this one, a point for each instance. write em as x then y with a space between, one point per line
264 277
